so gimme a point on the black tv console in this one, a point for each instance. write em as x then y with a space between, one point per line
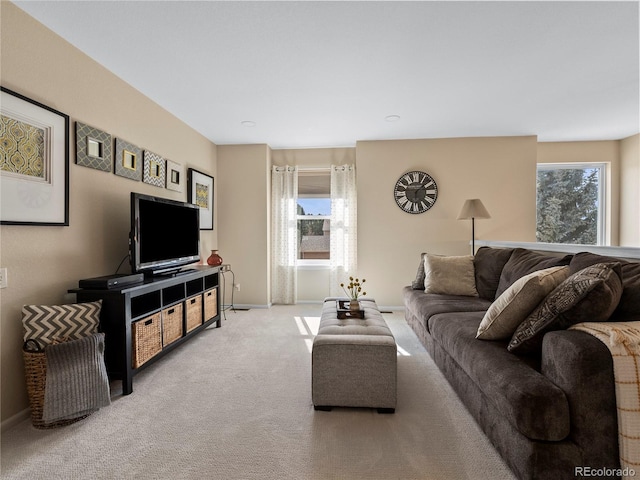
143 322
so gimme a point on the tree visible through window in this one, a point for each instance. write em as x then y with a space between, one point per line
570 204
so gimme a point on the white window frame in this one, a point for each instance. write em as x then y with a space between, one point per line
313 263
603 207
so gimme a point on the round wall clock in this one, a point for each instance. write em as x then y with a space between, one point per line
415 192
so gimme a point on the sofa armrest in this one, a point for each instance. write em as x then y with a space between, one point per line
581 365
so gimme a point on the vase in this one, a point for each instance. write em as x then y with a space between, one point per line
354 305
214 259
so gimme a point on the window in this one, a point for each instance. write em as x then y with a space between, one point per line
314 217
570 203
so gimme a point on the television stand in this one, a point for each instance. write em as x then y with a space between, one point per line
144 322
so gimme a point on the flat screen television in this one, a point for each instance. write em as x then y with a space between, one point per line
165 234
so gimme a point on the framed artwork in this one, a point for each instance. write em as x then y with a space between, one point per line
93 147
201 193
154 169
175 176
34 162
127 160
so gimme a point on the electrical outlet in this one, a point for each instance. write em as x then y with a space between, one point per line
237 286
4 281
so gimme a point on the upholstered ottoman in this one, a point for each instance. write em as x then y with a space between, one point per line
354 361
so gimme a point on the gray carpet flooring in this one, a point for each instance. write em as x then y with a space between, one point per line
235 403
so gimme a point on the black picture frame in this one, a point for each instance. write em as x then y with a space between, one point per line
200 192
41 199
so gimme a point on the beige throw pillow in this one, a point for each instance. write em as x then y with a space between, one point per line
450 275
515 304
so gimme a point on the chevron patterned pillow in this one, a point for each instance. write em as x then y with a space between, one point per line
46 323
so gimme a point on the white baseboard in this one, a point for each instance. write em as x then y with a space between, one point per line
392 308
247 306
16 419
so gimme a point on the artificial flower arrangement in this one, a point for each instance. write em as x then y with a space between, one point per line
354 290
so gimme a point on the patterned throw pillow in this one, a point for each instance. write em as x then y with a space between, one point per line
449 275
590 295
46 323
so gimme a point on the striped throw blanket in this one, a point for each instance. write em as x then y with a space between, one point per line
623 340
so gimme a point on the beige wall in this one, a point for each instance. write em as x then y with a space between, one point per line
313 282
500 171
597 152
389 240
245 218
630 191
244 233
44 262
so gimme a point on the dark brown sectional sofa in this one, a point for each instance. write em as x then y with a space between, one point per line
546 413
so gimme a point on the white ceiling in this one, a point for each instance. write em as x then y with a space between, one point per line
320 74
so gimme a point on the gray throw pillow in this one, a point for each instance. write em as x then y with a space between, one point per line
418 283
590 295
449 275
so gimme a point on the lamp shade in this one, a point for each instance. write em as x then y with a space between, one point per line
473 208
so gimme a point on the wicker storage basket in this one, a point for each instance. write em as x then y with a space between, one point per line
210 304
171 324
35 370
146 339
194 312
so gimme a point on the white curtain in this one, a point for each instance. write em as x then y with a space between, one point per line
284 244
344 240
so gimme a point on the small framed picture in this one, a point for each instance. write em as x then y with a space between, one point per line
154 169
200 192
34 162
175 176
93 147
128 160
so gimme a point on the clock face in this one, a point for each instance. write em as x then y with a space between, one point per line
415 192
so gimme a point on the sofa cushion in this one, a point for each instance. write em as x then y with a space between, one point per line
488 263
590 295
629 306
424 305
524 261
449 275
535 406
518 301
